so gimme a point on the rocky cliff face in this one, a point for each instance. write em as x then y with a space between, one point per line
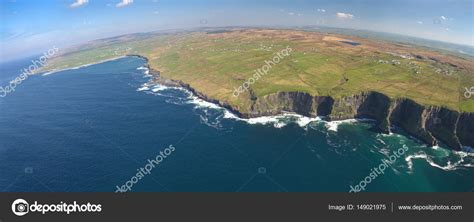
426 123
465 129
301 103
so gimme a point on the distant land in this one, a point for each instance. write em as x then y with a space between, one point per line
443 47
335 73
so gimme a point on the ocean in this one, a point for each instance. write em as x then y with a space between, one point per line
94 128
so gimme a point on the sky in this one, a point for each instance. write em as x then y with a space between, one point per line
29 27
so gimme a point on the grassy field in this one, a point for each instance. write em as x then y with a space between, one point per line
216 63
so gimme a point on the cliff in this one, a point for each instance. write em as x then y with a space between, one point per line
427 123
430 124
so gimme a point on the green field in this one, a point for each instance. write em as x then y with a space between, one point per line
320 64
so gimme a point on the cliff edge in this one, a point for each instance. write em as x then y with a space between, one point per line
430 124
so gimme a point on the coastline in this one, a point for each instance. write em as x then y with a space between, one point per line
78 67
368 105
425 133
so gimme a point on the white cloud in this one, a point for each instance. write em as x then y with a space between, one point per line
291 13
343 15
419 22
442 20
78 3
124 3
321 10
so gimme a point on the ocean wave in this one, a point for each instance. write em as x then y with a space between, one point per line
146 72
304 120
463 154
390 134
155 87
200 103
450 164
278 121
334 125
204 109
158 88
143 88
211 118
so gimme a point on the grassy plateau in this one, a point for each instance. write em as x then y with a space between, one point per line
217 62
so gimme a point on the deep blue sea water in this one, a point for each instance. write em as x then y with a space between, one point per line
90 129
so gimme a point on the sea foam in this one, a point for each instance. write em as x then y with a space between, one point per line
450 165
277 121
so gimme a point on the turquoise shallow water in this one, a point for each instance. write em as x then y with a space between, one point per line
90 129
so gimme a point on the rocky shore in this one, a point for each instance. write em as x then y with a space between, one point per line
429 124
